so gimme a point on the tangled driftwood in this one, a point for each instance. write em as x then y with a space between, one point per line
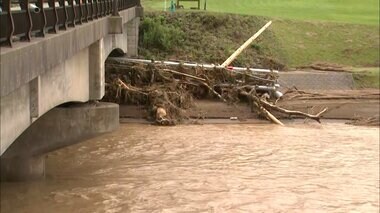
169 91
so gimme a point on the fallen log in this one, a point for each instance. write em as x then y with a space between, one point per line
270 116
316 117
259 107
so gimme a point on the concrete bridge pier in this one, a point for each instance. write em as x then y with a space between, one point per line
60 127
60 68
22 168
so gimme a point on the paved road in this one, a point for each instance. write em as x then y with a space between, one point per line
316 80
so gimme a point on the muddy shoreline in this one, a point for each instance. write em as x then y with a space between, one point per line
207 111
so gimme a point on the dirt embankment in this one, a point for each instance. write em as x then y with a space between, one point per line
208 38
361 107
211 38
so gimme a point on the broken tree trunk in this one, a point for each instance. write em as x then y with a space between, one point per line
316 117
259 107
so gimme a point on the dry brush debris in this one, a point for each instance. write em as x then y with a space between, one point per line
168 91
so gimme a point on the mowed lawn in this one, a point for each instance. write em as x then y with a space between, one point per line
347 11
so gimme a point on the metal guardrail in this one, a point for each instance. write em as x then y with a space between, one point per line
48 16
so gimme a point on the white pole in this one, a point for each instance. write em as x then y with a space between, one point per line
165 6
245 45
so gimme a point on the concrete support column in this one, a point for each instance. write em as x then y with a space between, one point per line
96 70
133 36
22 168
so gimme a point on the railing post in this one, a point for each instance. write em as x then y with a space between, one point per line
94 9
87 10
98 9
91 14
40 4
105 7
52 5
24 5
79 2
7 8
102 5
62 4
109 6
71 3
115 7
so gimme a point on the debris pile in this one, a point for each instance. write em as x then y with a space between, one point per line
371 121
168 91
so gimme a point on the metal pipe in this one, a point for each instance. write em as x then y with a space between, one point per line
206 66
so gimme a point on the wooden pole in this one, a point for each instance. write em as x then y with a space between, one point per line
245 45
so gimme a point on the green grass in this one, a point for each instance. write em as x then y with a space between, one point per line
306 42
367 77
212 37
303 32
346 11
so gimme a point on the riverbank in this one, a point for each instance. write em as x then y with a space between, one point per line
354 105
311 50
211 37
141 89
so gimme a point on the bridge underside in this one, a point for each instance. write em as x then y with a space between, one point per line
65 67
60 127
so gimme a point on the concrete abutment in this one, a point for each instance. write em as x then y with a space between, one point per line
22 168
60 127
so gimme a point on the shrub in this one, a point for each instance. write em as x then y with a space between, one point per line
154 33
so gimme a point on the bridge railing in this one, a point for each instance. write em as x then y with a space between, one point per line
23 19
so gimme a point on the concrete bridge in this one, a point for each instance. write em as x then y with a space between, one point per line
54 56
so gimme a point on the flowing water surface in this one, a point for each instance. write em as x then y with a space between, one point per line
209 168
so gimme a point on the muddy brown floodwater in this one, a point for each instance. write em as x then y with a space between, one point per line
210 168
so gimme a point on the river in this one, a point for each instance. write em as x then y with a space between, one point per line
209 168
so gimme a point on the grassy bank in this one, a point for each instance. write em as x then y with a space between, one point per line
366 77
347 11
212 37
